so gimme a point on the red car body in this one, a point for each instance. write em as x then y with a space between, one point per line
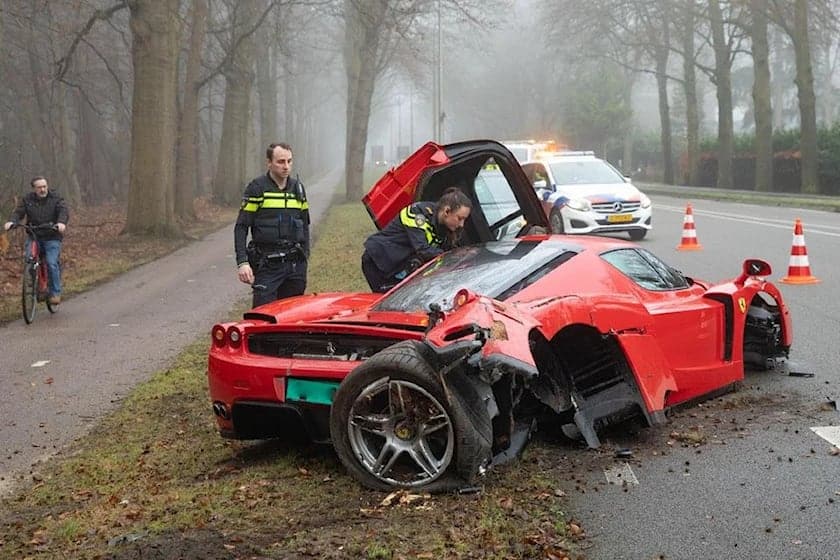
449 372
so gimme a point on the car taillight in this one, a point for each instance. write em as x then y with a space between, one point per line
234 337
462 297
218 334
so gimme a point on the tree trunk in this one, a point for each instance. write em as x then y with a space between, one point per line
99 176
723 83
232 168
763 112
692 119
37 115
66 147
154 53
807 100
664 115
267 87
362 36
186 167
778 84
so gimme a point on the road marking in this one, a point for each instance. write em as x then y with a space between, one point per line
40 363
769 222
621 474
831 434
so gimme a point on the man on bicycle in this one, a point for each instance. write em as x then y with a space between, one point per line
43 206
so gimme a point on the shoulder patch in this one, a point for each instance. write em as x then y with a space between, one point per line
420 220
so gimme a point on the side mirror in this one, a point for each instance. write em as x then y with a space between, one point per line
753 267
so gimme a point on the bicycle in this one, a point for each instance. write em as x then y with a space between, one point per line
35 278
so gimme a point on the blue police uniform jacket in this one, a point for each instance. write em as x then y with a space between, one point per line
413 234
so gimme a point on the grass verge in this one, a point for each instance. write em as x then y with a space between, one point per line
154 480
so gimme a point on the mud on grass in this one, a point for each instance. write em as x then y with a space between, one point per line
155 480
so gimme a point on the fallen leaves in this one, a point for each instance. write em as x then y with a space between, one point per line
692 436
402 498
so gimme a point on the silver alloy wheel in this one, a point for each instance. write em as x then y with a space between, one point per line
400 433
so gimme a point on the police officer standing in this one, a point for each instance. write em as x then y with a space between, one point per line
275 211
420 232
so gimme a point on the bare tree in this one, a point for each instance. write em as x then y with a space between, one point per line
722 78
368 33
763 111
637 36
151 202
782 13
266 48
685 22
186 168
232 167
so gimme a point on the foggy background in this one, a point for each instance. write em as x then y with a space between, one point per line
154 103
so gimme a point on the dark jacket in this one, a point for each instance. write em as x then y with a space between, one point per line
413 235
277 219
50 209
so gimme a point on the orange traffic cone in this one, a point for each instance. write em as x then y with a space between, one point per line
689 234
799 271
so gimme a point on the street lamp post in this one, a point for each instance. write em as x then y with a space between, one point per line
437 97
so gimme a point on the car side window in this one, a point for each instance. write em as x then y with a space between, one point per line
673 277
498 202
645 269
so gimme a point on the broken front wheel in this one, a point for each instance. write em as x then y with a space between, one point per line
393 426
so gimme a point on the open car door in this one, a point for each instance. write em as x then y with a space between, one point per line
503 199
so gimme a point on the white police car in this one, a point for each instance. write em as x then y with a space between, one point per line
581 193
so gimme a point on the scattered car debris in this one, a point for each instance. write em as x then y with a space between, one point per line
621 475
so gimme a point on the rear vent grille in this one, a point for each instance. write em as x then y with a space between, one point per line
319 346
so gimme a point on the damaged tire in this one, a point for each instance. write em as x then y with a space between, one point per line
393 425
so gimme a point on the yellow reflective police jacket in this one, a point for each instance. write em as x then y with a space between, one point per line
414 234
278 220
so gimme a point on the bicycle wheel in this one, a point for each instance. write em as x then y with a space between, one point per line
29 293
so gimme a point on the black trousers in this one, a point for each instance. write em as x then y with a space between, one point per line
376 279
277 279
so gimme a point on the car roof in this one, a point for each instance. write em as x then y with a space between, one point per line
559 157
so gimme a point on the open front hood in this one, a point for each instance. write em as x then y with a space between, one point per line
426 173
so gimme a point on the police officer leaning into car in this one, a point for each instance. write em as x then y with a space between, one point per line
420 232
275 210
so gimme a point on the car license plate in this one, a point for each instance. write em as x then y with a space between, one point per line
620 218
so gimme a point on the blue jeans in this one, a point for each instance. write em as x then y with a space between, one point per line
51 251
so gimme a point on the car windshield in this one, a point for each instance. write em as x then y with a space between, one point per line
588 172
496 269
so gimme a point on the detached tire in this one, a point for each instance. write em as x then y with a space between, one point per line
392 426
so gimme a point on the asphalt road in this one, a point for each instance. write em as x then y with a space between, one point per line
60 374
763 485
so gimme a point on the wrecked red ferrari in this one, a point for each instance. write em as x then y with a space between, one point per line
448 374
